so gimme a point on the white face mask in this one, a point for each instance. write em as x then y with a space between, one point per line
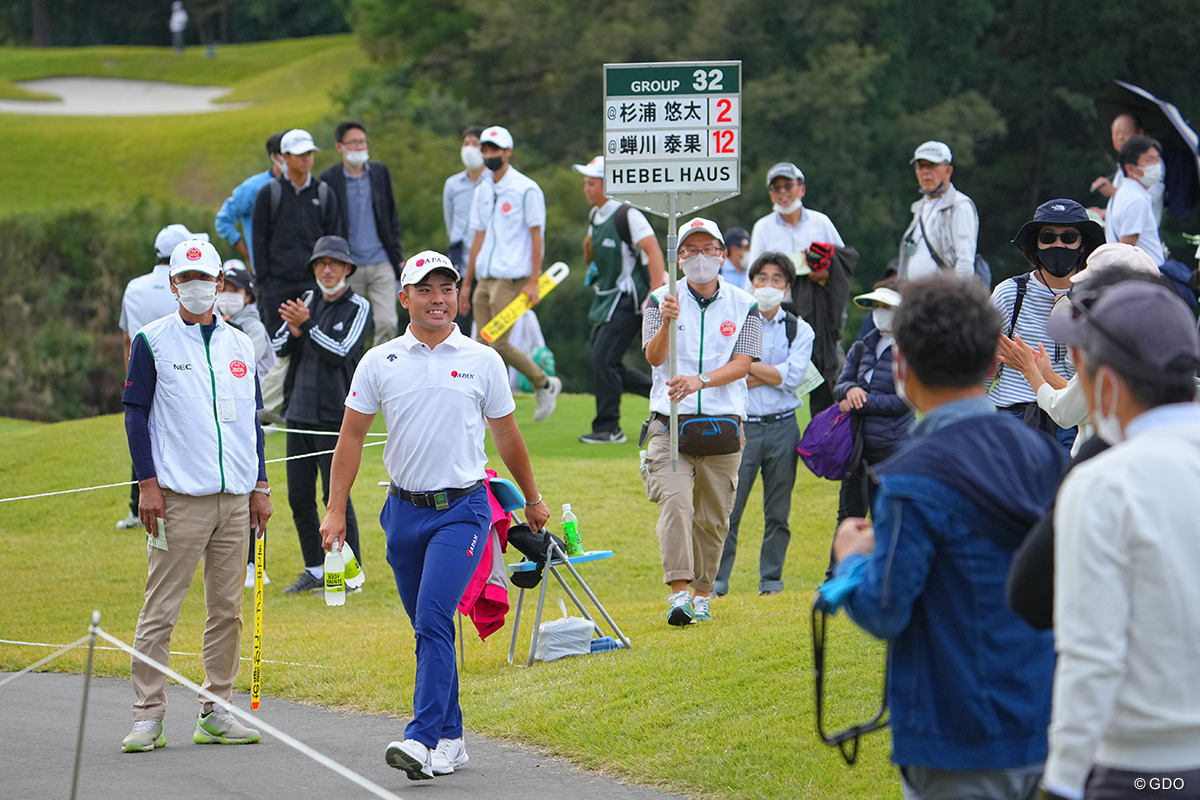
197 296
1108 424
229 303
882 318
701 269
472 157
1151 175
898 383
332 290
790 209
356 158
768 297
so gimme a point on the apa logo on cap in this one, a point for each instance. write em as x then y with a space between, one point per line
194 254
697 223
728 328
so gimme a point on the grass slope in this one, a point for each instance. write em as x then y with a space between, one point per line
723 710
66 162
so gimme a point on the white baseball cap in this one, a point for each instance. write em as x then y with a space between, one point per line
784 169
297 142
880 297
1116 254
168 237
195 254
936 152
497 136
423 263
592 169
700 224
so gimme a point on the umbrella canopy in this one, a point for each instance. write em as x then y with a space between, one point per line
1162 120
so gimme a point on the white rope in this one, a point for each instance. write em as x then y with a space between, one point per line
67 647
45 660
274 428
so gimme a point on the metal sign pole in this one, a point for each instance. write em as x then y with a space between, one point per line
672 363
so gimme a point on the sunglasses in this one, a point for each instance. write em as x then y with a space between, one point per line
1066 237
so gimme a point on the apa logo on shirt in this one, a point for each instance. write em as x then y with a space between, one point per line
238 368
728 328
506 208
456 374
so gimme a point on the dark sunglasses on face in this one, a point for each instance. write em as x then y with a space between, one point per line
1066 237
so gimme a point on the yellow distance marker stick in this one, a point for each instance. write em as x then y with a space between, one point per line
260 557
508 315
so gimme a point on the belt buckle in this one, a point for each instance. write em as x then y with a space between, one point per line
441 500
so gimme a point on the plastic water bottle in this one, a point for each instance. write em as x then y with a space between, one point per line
354 574
335 577
570 527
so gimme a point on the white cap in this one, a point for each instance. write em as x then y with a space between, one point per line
784 169
936 152
879 297
423 263
297 142
700 224
233 263
592 169
497 136
168 237
1113 255
195 254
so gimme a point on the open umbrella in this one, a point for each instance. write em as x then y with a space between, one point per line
1162 120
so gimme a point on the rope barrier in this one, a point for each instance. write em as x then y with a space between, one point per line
67 647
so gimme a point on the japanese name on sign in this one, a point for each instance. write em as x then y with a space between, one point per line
673 128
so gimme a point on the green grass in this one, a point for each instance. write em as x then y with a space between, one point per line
69 162
723 710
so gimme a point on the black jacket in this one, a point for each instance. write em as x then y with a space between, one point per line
323 357
387 222
284 238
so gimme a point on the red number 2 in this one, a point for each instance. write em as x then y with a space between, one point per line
725 106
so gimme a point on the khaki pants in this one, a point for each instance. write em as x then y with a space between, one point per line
271 385
215 530
490 298
377 283
694 503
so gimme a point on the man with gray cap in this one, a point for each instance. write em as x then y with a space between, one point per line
790 227
629 265
944 231
1126 717
148 297
324 335
508 216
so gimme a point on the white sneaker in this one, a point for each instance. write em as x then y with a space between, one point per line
450 754
412 757
701 611
547 399
129 523
680 610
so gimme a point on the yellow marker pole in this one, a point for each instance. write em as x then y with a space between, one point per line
260 556
520 304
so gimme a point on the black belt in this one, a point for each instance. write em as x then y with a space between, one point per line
439 499
769 418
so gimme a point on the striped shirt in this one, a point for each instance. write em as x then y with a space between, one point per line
1011 387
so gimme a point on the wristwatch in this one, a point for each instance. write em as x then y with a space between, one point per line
703 376
262 490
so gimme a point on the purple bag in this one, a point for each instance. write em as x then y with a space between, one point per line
827 446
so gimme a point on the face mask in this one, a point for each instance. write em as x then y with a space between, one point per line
229 303
898 383
280 165
937 190
883 319
1108 425
1151 175
768 297
494 163
1059 261
332 290
356 158
701 269
790 209
471 157
197 296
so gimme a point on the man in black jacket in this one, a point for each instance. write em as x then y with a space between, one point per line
325 335
368 207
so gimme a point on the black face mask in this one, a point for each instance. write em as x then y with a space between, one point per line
494 163
1059 261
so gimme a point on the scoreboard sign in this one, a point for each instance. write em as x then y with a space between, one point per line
673 128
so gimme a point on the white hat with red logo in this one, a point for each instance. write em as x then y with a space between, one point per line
498 136
592 169
194 254
700 225
423 263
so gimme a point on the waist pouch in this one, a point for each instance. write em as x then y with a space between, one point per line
701 435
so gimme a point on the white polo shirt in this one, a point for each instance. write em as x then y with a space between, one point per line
1130 212
506 210
147 298
434 403
773 234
